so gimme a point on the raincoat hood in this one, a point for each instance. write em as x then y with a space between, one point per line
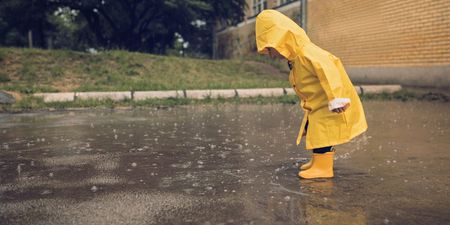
276 30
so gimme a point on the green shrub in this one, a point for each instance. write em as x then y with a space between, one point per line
28 89
2 54
56 71
27 72
4 78
29 103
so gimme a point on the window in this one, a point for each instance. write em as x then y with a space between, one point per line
282 2
258 6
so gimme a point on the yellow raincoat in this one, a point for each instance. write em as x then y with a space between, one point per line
318 77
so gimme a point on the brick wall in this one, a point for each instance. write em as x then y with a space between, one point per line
382 32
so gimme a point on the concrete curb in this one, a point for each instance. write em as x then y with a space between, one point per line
224 93
197 94
142 95
377 89
116 96
264 92
57 97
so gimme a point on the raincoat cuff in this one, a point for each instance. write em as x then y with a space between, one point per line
338 103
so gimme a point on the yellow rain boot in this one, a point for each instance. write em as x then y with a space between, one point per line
307 165
322 167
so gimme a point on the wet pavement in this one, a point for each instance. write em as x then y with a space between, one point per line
225 164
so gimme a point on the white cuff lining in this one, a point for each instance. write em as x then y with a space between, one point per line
338 103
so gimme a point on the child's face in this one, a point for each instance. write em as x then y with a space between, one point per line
274 54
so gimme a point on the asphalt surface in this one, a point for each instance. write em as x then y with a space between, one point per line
224 164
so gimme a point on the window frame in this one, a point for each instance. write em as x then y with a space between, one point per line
258 6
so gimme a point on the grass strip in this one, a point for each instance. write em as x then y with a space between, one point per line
31 103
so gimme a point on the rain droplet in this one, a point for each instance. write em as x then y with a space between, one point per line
94 188
19 168
46 192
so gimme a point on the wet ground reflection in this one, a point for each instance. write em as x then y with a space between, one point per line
226 164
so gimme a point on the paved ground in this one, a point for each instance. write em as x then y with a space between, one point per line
225 164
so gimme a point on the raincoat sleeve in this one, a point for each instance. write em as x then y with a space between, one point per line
323 65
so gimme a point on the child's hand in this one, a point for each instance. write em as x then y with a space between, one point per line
339 105
341 109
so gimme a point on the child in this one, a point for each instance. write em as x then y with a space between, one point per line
333 110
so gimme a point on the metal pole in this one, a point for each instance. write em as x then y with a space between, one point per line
304 7
30 39
214 42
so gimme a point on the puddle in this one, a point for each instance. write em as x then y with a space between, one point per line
226 164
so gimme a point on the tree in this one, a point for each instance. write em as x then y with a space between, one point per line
19 17
135 25
223 13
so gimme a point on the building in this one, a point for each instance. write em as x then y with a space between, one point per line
233 42
384 41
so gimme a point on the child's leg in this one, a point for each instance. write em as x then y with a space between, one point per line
322 150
